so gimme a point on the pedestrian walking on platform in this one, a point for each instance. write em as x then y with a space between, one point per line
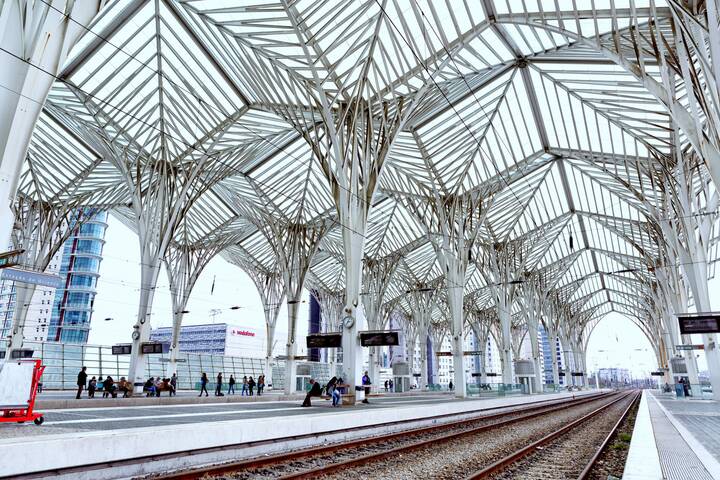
366 383
251 385
386 385
244 390
81 381
451 386
173 384
218 385
261 384
203 384
392 384
231 383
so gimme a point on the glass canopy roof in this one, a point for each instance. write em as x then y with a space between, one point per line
516 102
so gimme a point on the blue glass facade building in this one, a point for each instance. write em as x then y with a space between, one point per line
80 268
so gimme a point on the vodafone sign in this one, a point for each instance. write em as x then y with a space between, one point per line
239 332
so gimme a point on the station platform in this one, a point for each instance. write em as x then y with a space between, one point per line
163 437
674 439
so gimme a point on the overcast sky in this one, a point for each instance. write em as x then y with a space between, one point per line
615 342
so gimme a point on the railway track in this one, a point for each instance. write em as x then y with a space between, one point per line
368 452
563 453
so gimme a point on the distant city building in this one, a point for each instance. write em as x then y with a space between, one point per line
62 314
442 370
613 376
216 339
547 353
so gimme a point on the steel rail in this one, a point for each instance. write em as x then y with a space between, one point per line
588 468
503 463
541 408
363 459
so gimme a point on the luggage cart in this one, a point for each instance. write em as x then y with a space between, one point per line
18 389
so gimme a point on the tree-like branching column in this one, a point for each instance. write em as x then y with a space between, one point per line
294 246
36 38
481 322
422 303
270 285
41 229
438 333
184 262
453 223
377 275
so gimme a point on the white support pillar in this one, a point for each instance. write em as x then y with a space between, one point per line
353 315
290 385
423 360
38 39
149 271
506 337
697 274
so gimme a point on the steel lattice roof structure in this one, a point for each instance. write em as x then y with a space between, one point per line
576 142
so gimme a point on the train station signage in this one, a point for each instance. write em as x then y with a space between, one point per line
123 349
324 340
19 354
33 278
699 323
154 347
690 347
491 374
466 353
577 374
379 339
657 374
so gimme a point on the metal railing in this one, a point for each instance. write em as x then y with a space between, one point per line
63 362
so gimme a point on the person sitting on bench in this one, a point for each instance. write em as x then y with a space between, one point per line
333 390
315 391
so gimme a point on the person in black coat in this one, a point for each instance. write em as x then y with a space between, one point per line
81 381
315 391
218 386
251 385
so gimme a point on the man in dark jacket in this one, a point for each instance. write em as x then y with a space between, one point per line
218 385
81 381
315 391
366 383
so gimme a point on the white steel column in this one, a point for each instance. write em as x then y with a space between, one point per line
42 229
38 36
505 318
377 275
183 264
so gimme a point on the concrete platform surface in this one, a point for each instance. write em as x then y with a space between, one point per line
675 440
72 437
51 400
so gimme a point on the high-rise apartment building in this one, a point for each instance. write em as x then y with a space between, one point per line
62 314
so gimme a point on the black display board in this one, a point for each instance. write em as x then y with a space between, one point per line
699 323
124 349
379 339
324 340
152 348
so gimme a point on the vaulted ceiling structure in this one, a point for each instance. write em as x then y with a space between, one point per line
545 111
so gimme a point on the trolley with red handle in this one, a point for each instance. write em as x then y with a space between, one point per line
18 389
